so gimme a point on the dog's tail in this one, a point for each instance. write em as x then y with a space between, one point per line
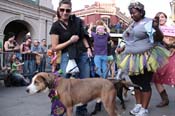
126 84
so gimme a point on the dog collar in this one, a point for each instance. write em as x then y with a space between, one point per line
56 81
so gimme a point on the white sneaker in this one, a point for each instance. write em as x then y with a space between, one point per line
142 112
136 109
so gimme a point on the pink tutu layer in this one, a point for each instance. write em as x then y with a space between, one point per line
166 74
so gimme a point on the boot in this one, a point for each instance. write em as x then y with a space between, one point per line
82 110
165 100
97 108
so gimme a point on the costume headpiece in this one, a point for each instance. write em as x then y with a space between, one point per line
136 5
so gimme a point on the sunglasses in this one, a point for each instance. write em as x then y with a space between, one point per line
63 10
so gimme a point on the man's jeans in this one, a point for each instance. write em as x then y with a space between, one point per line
42 66
101 65
19 79
29 68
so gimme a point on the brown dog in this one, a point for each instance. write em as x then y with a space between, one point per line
76 91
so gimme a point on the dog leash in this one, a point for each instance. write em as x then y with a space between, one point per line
72 69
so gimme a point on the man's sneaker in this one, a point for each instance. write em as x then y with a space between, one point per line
142 112
136 109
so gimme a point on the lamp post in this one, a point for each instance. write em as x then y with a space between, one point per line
172 5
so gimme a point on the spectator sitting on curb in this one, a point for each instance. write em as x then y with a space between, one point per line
17 78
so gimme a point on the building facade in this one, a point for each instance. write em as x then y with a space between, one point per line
22 17
108 12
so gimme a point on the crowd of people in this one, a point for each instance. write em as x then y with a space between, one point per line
23 59
143 55
147 56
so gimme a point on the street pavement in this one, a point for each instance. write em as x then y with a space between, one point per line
14 101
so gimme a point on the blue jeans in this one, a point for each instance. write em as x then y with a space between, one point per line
42 66
29 68
19 56
19 79
101 65
82 63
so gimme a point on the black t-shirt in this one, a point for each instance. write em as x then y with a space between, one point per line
57 29
64 32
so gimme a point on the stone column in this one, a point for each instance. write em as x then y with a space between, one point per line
172 5
2 40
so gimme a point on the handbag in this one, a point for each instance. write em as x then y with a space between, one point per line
72 66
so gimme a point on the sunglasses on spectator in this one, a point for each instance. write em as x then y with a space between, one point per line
63 10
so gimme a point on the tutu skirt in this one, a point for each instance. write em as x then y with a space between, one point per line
151 60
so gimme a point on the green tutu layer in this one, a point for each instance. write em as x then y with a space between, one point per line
152 59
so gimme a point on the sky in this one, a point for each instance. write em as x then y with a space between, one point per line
151 6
